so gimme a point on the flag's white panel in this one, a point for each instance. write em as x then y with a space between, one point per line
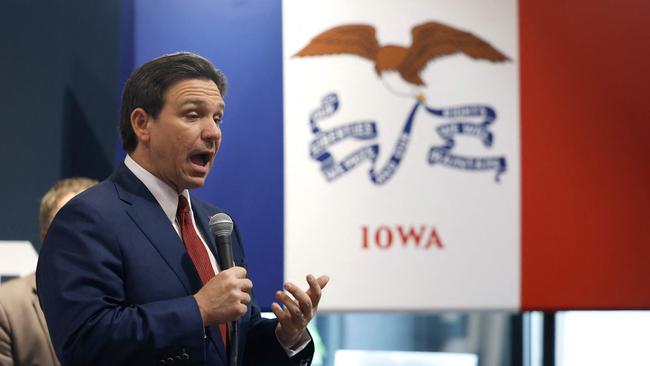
405 204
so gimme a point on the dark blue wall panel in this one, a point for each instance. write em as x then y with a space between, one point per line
59 74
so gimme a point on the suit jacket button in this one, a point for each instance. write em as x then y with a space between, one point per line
185 356
170 360
162 362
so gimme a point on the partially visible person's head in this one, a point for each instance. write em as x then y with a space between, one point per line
57 196
148 84
171 118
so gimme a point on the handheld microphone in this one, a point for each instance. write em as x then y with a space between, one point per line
221 227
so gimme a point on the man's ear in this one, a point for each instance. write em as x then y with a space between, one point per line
140 122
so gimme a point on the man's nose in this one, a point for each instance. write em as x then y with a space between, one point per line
211 130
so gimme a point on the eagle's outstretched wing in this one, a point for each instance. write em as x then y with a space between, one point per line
432 40
357 39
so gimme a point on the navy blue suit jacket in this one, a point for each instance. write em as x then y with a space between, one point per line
116 283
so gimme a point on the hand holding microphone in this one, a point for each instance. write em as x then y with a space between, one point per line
224 298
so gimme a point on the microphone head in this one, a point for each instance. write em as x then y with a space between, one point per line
220 224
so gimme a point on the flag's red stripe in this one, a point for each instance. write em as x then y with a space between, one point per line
585 105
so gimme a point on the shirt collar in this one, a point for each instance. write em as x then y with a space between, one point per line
165 195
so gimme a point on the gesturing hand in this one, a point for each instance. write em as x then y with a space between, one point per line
225 296
298 311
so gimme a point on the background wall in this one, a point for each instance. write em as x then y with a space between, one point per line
58 96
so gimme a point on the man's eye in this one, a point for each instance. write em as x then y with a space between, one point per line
192 116
217 119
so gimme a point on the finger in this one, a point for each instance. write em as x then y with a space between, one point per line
283 315
246 285
323 281
245 298
279 313
239 272
290 305
314 291
304 301
241 310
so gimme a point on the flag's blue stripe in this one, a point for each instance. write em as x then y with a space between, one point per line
244 39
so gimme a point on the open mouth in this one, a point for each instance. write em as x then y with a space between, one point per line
201 159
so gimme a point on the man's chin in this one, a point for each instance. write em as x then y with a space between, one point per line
195 182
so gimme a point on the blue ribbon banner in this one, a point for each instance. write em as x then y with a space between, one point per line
468 120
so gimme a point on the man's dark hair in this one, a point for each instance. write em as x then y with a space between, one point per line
147 85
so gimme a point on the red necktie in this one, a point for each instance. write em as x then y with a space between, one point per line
196 250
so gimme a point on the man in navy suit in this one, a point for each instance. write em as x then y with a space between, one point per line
118 282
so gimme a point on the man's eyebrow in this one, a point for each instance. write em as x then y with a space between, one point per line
191 101
201 102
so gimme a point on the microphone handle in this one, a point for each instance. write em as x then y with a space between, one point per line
233 350
224 249
226 260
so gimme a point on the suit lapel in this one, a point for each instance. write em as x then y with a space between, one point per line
147 214
149 217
